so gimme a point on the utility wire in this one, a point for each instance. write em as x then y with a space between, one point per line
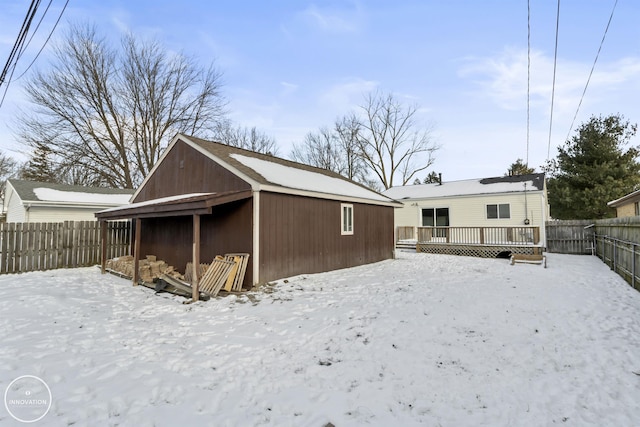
592 68
553 86
18 48
23 47
15 51
528 76
47 40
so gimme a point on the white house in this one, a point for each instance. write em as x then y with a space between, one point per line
509 201
30 201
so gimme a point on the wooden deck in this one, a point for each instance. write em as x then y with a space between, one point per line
486 242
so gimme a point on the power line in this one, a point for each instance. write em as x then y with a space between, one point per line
592 68
47 40
20 46
553 86
528 75
17 46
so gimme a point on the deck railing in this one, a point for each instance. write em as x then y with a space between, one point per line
525 235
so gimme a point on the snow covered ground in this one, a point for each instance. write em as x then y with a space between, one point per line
421 340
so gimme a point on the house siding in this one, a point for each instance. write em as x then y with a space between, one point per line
303 235
185 170
626 210
471 211
61 214
15 210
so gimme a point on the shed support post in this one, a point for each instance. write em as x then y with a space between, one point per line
136 252
103 246
196 257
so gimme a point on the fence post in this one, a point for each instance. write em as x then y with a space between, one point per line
615 254
633 265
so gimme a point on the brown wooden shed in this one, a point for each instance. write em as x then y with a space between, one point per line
204 198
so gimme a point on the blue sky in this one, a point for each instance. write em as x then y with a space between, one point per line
290 67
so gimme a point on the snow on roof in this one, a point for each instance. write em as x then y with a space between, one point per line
50 195
158 201
510 184
301 179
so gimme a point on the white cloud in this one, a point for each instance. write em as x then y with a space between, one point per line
288 88
503 81
334 20
347 95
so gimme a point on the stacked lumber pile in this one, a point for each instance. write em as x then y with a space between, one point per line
149 268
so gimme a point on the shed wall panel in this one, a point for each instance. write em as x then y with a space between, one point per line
303 235
226 230
185 170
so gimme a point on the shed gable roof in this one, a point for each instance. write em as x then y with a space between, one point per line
49 193
270 173
469 187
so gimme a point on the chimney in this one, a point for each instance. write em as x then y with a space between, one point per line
440 178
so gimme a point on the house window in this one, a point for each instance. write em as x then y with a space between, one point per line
436 217
637 208
346 218
498 211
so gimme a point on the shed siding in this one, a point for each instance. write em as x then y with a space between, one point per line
185 170
226 230
303 235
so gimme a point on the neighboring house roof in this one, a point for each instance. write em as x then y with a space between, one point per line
469 187
47 194
626 199
269 173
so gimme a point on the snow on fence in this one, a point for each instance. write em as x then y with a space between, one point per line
46 246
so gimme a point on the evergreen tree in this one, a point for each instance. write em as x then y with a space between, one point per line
432 178
519 168
593 168
39 167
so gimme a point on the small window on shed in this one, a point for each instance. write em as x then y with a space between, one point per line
346 218
498 211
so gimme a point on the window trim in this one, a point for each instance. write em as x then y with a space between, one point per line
346 227
497 207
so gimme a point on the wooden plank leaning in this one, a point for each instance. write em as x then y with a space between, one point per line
238 278
216 276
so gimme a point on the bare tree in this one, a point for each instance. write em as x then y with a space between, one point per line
107 114
334 149
391 142
244 137
319 149
347 131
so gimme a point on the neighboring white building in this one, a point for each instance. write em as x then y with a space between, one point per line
510 201
30 201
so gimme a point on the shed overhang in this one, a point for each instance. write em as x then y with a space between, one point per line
186 204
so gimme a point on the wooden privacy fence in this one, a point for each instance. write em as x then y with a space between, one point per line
570 236
46 246
618 245
615 241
